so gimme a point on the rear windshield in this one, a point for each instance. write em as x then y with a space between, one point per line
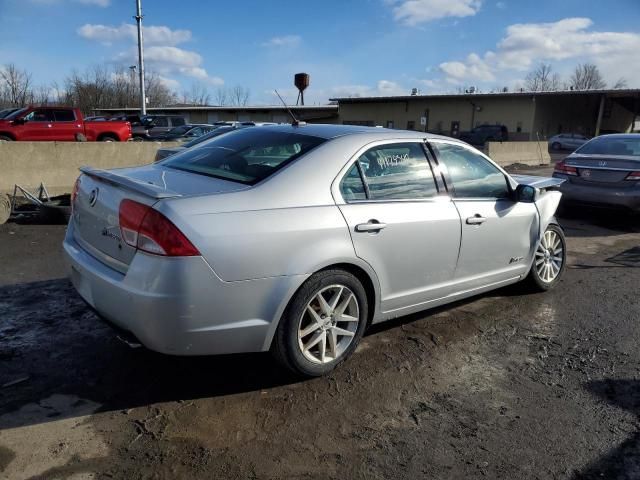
612 146
246 156
208 136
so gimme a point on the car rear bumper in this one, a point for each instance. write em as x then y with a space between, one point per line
598 195
179 306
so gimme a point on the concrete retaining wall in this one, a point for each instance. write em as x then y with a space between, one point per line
56 163
528 153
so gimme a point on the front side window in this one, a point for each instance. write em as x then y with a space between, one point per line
472 175
177 121
245 155
39 115
397 171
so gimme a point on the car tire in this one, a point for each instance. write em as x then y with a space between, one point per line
5 138
309 351
555 146
549 260
108 138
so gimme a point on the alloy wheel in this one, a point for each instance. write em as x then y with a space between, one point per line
328 324
549 256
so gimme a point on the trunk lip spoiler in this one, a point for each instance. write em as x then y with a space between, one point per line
147 189
543 183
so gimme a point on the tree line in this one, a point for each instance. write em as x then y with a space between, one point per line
101 87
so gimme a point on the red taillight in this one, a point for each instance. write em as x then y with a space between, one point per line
74 192
565 169
147 229
633 176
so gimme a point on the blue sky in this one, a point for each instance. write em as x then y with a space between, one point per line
350 47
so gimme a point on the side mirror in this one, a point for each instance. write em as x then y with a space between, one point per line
526 194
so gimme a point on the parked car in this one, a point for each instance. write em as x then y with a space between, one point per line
164 152
183 133
485 133
605 171
154 125
59 124
295 238
567 141
7 111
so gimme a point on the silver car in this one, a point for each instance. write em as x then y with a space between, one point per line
603 172
567 141
295 238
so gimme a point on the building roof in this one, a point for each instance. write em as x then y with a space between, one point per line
450 96
188 108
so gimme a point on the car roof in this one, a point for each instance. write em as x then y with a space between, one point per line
329 131
620 136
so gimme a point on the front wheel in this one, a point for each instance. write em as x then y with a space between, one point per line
323 323
108 138
6 138
549 259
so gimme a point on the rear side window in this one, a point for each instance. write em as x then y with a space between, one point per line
352 186
177 121
64 115
398 171
472 175
248 155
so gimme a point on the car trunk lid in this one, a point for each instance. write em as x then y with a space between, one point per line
602 170
100 192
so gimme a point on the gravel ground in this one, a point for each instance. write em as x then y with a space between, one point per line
505 385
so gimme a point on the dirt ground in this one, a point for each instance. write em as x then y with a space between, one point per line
506 385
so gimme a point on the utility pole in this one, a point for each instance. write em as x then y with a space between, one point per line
143 95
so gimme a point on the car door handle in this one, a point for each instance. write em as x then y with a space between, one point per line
477 219
370 226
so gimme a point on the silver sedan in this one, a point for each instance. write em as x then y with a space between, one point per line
295 238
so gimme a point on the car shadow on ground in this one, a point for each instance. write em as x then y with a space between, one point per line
52 344
579 221
623 461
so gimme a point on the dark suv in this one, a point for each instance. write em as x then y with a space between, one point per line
485 133
154 125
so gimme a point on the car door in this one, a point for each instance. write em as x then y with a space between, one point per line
497 231
65 125
38 125
400 223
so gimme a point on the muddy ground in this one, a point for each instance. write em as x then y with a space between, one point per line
507 385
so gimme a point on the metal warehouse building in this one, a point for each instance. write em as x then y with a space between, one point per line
527 115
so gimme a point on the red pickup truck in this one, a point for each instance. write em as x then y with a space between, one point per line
61 124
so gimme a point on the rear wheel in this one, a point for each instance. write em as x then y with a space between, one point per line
6 138
323 323
108 138
549 259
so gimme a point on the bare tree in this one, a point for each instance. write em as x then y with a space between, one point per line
198 95
239 96
620 84
542 79
222 96
587 77
17 86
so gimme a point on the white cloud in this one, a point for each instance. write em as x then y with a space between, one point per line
414 12
153 34
284 41
564 43
168 60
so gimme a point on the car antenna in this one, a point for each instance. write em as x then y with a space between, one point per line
295 122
